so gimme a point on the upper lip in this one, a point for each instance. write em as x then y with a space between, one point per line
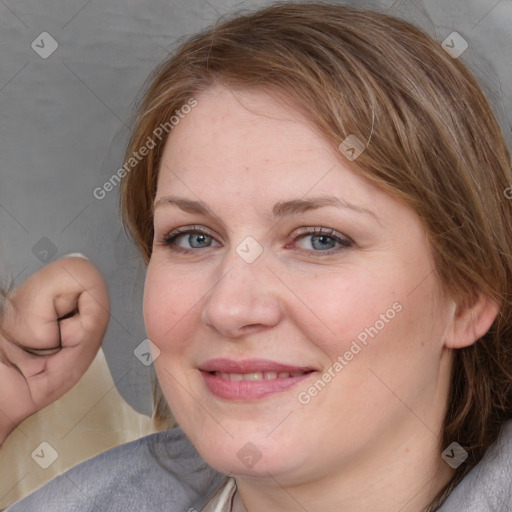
250 366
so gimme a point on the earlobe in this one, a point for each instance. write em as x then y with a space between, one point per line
471 322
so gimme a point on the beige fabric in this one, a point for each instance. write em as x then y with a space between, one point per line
89 419
223 499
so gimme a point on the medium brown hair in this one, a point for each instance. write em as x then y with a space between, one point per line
431 141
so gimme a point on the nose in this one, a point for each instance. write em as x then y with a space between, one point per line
244 299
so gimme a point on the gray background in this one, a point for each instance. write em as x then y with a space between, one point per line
64 122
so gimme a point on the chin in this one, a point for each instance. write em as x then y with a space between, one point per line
255 458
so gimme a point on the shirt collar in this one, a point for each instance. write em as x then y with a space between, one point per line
222 501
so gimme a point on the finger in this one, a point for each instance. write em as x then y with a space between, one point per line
42 351
50 351
65 368
81 337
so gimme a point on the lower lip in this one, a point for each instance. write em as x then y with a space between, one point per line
249 389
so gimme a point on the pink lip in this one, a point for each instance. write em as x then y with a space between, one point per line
249 390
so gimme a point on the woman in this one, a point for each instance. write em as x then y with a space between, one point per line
318 192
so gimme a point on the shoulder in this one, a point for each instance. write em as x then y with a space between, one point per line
161 471
488 486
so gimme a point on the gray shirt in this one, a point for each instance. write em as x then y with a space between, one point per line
163 472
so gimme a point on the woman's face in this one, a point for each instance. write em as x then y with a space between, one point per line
299 321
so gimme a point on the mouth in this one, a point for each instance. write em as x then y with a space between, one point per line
250 379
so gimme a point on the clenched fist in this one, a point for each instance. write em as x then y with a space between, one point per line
51 329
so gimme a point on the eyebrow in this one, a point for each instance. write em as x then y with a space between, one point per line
285 208
280 209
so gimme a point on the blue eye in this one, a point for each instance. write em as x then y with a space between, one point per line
321 240
194 240
184 240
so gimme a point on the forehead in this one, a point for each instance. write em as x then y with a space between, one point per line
226 123
250 146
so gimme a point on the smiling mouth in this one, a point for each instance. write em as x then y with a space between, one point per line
249 380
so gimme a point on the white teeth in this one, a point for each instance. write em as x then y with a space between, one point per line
255 376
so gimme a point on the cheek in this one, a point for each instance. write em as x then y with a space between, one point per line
335 309
168 306
380 311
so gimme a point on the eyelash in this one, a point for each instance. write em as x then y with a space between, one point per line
343 241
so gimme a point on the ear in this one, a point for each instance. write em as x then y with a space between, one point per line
471 321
